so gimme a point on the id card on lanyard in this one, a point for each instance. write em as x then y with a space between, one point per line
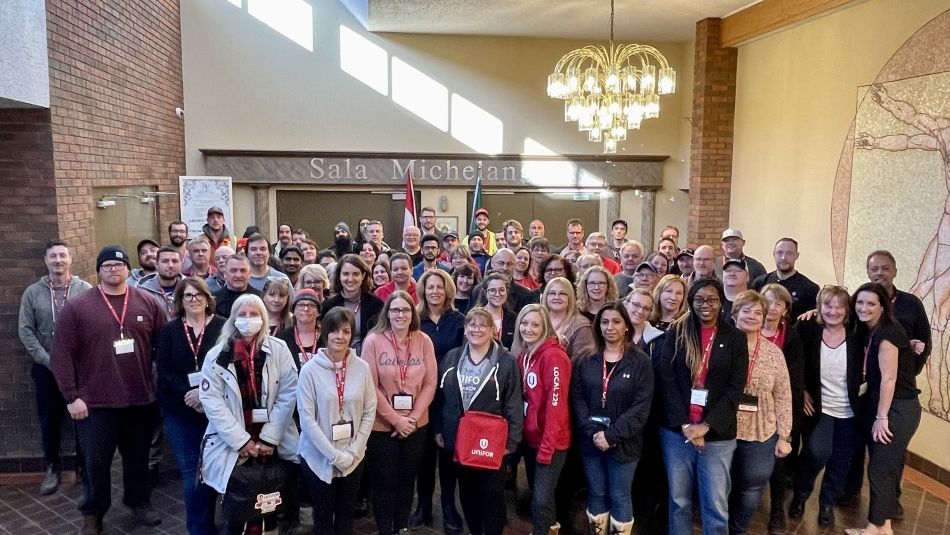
194 378
699 395
402 401
747 401
863 389
343 429
123 345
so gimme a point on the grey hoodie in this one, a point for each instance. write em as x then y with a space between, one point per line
319 408
152 286
37 318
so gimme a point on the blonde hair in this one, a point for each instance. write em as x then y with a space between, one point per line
547 328
449 284
661 287
583 300
229 332
749 298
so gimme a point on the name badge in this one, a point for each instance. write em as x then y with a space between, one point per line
259 416
749 403
194 379
698 396
863 389
124 346
402 402
342 430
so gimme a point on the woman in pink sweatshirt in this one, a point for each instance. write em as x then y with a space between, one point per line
402 360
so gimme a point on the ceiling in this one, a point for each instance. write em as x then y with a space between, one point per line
640 20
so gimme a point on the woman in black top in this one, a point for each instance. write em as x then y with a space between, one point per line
179 353
352 288
610 396
466 278
303 337
889 374
446 327
702 363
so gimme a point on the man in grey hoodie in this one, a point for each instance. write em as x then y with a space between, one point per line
39 307
162 286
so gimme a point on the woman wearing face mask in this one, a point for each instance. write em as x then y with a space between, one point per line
351 288
479 376
610 397
248 391
892 410
179 354
833 364
494 299
276 297
639 305
445 326
402 361
594 289
337 402
314 277
465 278
546 378
670 298
702 364
764 421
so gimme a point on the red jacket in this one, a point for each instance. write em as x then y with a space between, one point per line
546 380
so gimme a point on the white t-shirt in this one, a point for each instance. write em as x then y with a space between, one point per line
834 381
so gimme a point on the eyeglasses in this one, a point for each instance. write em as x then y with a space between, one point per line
477 326
497 291
187 296
112 267
305 306
596 284
400 311
700 302
553 269
638 307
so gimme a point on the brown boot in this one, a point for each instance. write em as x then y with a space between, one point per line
91 525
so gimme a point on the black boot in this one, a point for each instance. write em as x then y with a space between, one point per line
796 509
451 519
826 515
50 483
146 515
422 516
777 520
91 525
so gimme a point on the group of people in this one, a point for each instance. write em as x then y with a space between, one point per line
360 372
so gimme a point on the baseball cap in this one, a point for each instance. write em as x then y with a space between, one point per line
647 265
451 234
732 233
735 262
215 210
685 252
480 211
621 221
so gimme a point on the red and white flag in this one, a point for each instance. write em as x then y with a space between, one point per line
409 216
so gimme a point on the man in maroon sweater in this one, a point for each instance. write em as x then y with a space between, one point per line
102 361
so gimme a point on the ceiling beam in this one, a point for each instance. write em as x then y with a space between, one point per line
769 16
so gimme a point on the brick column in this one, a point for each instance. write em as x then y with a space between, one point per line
714 107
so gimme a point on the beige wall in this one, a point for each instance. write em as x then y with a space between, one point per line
796 100
249 87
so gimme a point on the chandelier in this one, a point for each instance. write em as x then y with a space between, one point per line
610 91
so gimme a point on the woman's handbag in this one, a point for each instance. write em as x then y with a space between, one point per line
481 440
257 487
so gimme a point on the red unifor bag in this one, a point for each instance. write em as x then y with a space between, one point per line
481 440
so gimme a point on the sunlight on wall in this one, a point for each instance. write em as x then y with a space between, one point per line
236 3
476 127
420 94
363 60
291 18
534 147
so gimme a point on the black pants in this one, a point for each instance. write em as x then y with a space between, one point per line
130 430
51 409
887 460
828 443
571 483
394 465
542 479
425 483
482 493
651 493
447 480
783 468
332 502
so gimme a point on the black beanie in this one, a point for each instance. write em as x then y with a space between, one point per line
112 252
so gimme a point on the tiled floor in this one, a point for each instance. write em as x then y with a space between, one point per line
24 512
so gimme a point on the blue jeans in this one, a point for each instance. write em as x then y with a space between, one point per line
752 467
707 472
608 484
829 444
185 434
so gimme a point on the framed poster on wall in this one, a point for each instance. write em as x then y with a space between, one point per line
198 194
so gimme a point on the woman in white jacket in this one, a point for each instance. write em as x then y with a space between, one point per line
248 391
336 399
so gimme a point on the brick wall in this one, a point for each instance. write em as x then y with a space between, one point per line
115 81
28 218
115 77
714 104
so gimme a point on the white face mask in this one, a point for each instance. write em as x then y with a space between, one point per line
248 326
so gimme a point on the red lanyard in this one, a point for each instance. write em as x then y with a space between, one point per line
605 379
306 355
252 354
339 373
779 337
700 380
52 297
403 367
867 349
755 356
125 308
194 348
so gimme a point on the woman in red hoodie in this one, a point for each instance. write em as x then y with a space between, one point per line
546 379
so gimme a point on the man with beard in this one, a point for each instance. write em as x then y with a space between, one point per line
258 253
178 237
450 243
291 258
489 243
342 240
41 304
162 286
704 264
536 229
514 234
431 250
804 291
427 222
285 238
147 250
215 230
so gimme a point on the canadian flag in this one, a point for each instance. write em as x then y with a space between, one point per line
409 216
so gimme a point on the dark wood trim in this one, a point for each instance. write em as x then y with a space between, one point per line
937 473
770 16
605 158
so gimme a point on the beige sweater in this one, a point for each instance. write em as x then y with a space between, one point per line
769 381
